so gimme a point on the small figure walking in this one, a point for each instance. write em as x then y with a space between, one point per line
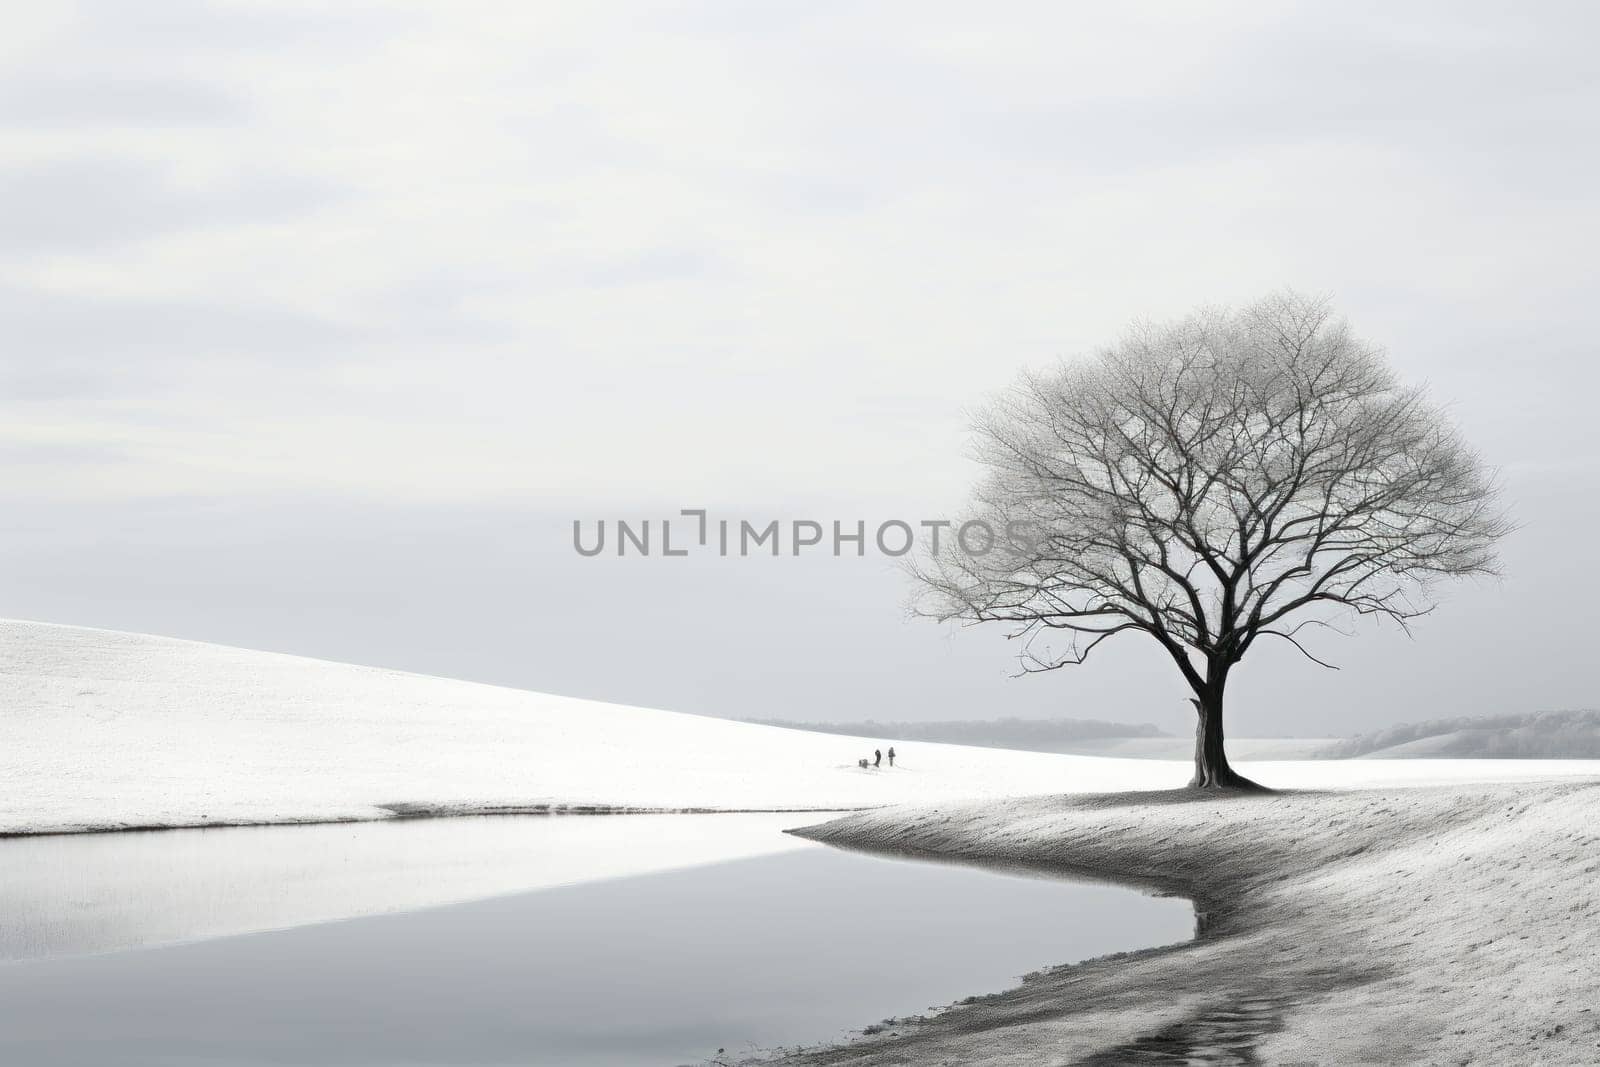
877 757
891 755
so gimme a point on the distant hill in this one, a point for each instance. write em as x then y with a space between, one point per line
1034 735
1182 748
1534 735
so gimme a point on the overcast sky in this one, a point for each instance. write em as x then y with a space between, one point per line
321 328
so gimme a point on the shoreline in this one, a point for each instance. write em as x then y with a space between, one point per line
400 812
1449 924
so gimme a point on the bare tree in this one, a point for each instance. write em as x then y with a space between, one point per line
1208 483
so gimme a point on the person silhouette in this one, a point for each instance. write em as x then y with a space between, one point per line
891 755
877 757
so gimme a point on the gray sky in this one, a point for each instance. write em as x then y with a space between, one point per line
322 328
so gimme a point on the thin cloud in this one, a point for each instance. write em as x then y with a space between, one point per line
85 203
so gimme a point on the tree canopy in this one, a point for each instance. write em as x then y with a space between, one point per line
1211 482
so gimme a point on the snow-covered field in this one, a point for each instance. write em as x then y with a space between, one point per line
106 730
1450 925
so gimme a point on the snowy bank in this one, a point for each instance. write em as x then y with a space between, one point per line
1440 925
106 730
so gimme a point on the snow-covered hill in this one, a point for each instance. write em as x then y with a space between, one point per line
100 729
1534 735
105 730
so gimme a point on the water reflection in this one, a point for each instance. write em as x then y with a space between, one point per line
663 968
76 893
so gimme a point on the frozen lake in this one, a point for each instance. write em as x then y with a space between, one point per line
512 940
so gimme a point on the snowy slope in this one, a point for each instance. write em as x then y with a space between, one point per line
103 730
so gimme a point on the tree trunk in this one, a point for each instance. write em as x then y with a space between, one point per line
1211 770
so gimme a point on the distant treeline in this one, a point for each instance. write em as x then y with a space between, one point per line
1037 734
1533 735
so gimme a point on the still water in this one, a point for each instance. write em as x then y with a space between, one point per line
639 962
